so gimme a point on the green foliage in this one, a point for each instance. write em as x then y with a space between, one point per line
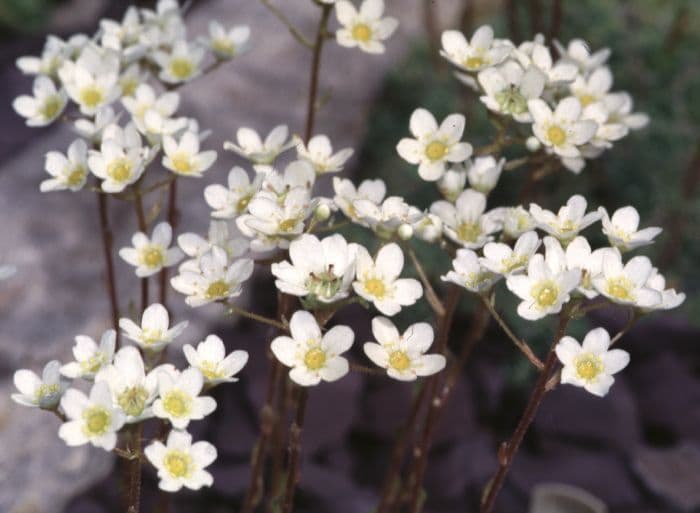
25 15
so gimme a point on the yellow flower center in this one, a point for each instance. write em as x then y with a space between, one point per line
217 289
315 358
242 204
436 150
51 107
128 85
588 366
586 99
178 463
93 364
45 389
97 421
545 293
474 62
76 176
210 370
556 135
119 170
375 287
513 262
399 360
181 68
151 336
468 232
223 46
288 225
152 257
176 403
132 401
182 163
620 288
362 32
90 96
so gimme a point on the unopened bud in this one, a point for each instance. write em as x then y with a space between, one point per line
405 231
532 143
322 212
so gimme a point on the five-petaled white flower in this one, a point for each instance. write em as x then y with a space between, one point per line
41 392
484 172
500 258
319 153
149 256
562 130
388 217
578 53
378 280
322 269
227 44
313 357
434 145
44 106
259 152
92 81
153 115
669 297
580 256
591 365
365 28
89 357
121 159
346 194
180 462
534 54
155 332
67 171
92 419
516 221
211 360
179 400
181 64
568 221
184 158
627 284
465 221
482 51
509 87
232 201
468 272
403 355
622 229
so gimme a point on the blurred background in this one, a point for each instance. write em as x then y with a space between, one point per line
637 450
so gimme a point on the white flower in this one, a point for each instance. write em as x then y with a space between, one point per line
216 279
568 221
465 221
133 391
669 297
42 392
547 284
592 88
297 173
91 419
562 130
181 64
580 256
312 356
93 127
387 218
434 146
150 256
452 183
468 272
194 245
53 54
578 53
180 462
378 280
516 221
429 228
46 104
92 81
627 284
232 201
227 44
403 355
164 26
154 333
482 51
121 159
365 28
484 172
622 229
534 54
67 171
124 36
346 194
608 130
319 153
500 258
620 106
509 87
211 360
89 357
259 152
184 158
591 365
153 115
178 398
323 269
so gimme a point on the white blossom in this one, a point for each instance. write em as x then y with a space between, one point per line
228 202
319 153
181 463
465 222
121 159
89 357
622 229
501 259
364 28
468 272
516 221
154 333
563 131
92 81
568 221
46 104
228 43
259 152
627 284
484 172
184 158
181 64
210 358
578 53
509 87
482 51
43 391
178 398
150 255
346 194
670 299
67 171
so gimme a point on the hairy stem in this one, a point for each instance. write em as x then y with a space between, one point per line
295 432
107 246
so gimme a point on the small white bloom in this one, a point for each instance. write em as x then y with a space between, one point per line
155 332
627 284
453 182
215 280
46 104
403 355
500 258
562 130
150 256
509 87
319 153
121 159
622 229
89 357
92 128
180 462
365 28
181 64
580 256
434 145
230 43
429 228
592 88
124 36
211 359
591 365
484 172
40 392
194 245
153 115
534 54
620 110
92 81
91 419
297 174
387 218
482 51
184 158
346 194
323 269
312 356
53 54
579 53
606 134
465 221
259 152
669 297
179 400
516 221
568 221
67 171
378 280
232 201
468 272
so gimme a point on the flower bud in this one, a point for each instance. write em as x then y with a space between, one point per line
405 231
322 212
532 143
